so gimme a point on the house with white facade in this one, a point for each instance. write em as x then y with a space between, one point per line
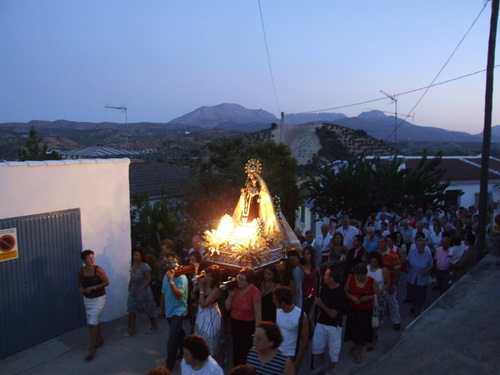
463 172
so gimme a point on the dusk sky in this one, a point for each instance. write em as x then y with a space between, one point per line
67 60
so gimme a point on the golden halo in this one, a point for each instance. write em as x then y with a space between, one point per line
253 166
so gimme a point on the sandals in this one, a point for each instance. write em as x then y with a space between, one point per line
358 358
130 333
98 345
90 355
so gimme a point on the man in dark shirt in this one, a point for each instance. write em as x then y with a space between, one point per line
357 254
332 304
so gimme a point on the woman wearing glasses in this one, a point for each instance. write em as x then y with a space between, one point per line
244 302
265 357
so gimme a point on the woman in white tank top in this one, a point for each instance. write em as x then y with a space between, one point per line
381 276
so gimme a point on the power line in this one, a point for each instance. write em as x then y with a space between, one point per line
426 88
442 68
402 93
268 57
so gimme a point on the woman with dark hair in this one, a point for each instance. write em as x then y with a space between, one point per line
380 274
208 318
194 259
265 357
91 283
244 302
338 251
270 280
140 297
285 275
360 290
310 281
197 359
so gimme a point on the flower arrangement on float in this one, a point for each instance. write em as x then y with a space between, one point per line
257 234
240 244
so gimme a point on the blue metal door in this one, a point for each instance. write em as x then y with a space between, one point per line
38 290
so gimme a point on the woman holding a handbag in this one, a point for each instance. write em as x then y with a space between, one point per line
360 290
380 274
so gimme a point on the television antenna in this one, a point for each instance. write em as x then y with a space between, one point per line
412 116
123 108
395 101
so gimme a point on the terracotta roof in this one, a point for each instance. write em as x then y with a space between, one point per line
462 168
155 177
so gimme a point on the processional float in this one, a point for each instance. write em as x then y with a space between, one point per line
257 234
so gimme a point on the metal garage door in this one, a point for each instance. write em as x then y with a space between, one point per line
38 289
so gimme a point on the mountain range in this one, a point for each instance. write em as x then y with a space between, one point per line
375 123
190 131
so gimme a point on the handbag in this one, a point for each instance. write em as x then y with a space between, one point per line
375 321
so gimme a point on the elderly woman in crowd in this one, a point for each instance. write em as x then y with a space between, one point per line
265 357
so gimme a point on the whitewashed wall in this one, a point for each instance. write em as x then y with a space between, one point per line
470 189
100 188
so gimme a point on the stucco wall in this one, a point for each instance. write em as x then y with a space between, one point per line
100 188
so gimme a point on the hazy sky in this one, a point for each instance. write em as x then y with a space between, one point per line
65 59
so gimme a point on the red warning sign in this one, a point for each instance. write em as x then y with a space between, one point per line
8 244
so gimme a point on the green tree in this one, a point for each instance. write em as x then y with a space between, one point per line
216 184
36 149
152 222
361 186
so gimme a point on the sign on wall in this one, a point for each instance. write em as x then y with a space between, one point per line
8 244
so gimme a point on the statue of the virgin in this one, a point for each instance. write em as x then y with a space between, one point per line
256 202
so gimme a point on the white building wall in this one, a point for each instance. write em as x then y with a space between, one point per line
100 188
471 191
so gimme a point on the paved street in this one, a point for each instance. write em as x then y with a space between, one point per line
135 355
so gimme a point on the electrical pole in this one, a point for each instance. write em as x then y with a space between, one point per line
488 109
282 126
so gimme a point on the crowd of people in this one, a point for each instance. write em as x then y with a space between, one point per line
341 286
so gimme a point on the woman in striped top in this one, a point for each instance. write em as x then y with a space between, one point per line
265 356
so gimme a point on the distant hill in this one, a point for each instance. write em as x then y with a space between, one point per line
229 119
227 116
375 123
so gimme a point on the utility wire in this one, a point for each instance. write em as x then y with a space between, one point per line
440 71
426 88
402 93
268 58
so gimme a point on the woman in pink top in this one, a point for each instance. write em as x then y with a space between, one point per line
244 302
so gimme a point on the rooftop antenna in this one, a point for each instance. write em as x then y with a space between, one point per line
395 101
412 116
123 108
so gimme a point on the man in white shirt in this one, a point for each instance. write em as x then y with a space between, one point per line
288 319
323 244
348 231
